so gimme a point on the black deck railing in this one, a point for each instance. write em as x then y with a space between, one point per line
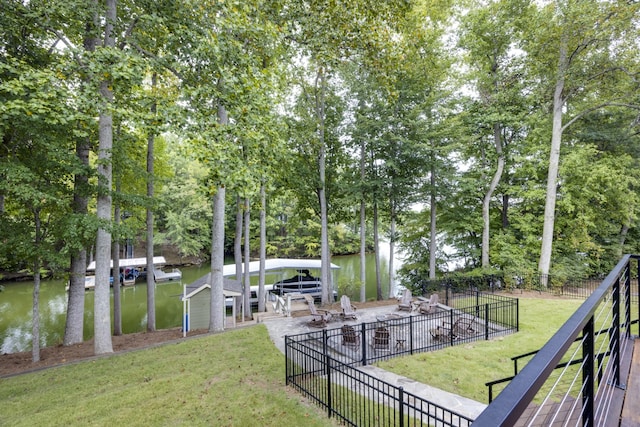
323 364
592 350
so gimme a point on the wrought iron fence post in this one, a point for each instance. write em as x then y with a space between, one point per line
517 315
363 332
401 404
486 322
588 373
286 359
327 365
451 331
411 334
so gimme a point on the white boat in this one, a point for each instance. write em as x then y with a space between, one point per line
90 281
300 280
132 268
165 276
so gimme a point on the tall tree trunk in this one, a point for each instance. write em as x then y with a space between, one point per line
115 271
554 161
263 247
74 326
376 243
151 282
216 321
392 248
35 326
433 237
363 226
247 259
237 249
327 290
217 310
102 315
486 203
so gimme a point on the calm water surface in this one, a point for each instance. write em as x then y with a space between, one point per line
16 302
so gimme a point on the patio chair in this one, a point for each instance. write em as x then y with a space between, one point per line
348 310
381 338
405 302
319 318
430 306
350 336
462 327
443 332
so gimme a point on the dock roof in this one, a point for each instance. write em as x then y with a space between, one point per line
278 264
131 262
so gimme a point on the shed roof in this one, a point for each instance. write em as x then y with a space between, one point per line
230 287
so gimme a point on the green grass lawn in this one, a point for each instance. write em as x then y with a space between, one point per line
230 379
464 369
237 379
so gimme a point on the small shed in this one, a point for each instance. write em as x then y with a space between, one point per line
196 302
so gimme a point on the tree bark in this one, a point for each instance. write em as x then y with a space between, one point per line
115 272
263 247
554 161
151 282
35 326
74 326
376 243
216 321
327 290
363 226
433 237
216 278
392 248
237 249
247 259
102 315
486 203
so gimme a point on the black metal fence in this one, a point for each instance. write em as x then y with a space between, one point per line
357 398
521 359
555 285
323 365
592 350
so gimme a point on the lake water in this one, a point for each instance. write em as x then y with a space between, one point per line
17 298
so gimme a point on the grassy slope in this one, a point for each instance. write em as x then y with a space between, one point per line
230 379
464 369
236 379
